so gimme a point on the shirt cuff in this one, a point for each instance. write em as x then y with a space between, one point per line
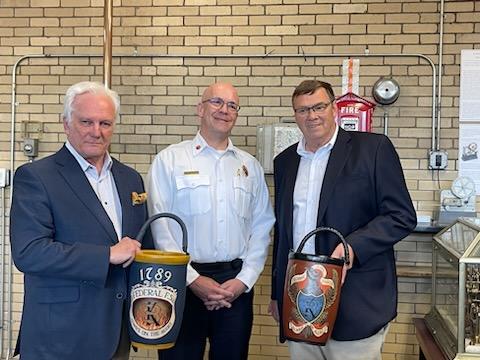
192 274
248 278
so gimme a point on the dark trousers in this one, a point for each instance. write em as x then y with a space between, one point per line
123 347
228 330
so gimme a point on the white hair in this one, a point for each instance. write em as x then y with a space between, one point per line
87 87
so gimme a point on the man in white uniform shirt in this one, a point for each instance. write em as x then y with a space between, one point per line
220 193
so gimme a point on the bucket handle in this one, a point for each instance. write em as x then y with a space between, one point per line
346 259
180 222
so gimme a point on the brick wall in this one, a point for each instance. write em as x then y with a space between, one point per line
184 45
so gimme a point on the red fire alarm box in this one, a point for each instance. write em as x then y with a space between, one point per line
354 112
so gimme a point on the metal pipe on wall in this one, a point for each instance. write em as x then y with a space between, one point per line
440 73
184 56
9 264
107 43
2 264
435 124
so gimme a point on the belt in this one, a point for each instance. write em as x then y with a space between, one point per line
218 266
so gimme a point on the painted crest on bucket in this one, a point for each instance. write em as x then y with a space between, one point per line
152 314
313 294
312 291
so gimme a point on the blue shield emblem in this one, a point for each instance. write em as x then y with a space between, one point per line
310 306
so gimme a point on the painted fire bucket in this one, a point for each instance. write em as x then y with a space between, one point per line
157 283
312 293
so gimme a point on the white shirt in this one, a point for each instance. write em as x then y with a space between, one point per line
223 199
306 195
104 186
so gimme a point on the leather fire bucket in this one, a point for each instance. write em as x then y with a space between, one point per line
312 293
157 283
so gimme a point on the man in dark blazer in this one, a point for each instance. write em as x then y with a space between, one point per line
352 182
72 230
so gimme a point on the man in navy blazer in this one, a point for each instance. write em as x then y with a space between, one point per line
72 230
352 182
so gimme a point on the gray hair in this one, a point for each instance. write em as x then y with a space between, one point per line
87 87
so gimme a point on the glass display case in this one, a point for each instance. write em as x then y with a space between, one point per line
454 318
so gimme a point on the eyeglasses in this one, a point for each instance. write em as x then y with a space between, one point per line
317 109
218 103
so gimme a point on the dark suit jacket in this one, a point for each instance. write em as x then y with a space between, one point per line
60 237
364 196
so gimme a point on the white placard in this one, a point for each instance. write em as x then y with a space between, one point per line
470 85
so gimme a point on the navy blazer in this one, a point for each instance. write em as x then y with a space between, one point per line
364 196
61 236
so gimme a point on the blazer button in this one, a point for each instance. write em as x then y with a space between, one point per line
119 296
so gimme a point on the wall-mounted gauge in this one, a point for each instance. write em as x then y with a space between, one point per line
463 187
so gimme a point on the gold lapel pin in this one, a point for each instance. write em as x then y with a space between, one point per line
138 199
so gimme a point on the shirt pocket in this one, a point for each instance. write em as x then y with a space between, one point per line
243 194
193 194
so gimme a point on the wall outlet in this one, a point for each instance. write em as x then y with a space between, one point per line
30 147
438 160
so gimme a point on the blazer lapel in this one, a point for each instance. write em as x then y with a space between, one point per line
124 195
78 182
336 162
289 187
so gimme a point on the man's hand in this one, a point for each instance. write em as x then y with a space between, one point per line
211 293
124 251
339 253
273 310
236 287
